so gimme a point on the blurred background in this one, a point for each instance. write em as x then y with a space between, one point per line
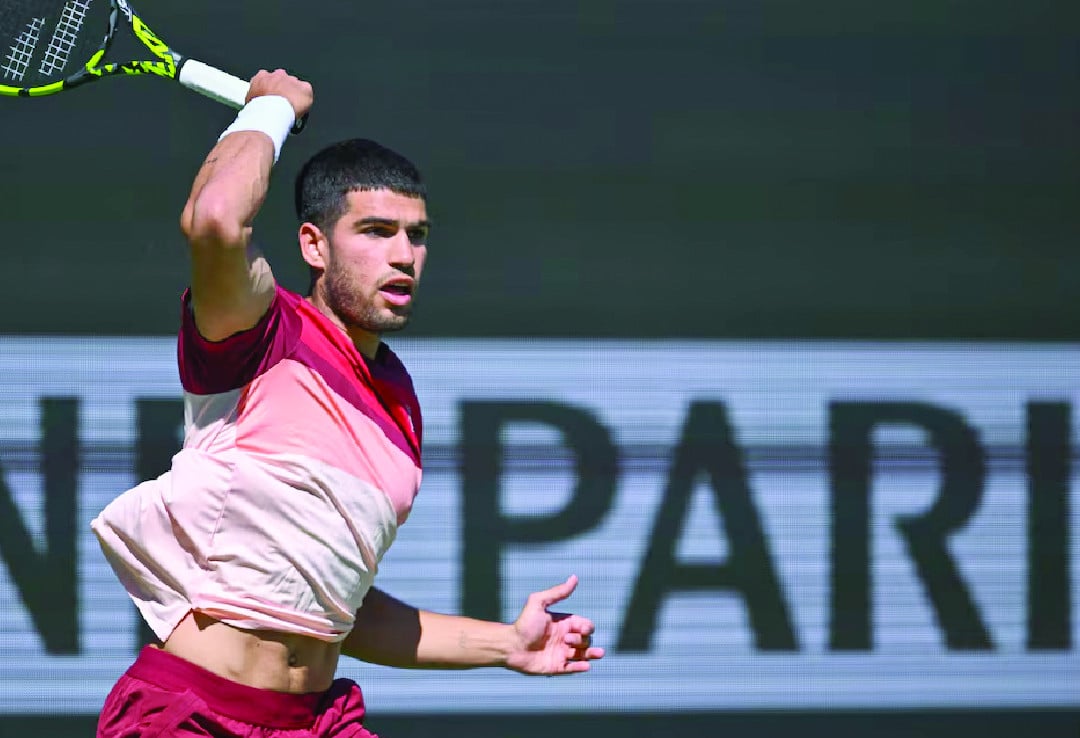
757 315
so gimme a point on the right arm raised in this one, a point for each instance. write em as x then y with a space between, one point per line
231 283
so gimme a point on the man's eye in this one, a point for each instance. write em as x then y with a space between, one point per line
417 236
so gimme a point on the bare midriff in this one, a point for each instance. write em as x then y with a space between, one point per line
264 659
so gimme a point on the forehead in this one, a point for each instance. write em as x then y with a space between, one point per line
384 204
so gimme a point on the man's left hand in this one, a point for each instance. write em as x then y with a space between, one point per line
552 644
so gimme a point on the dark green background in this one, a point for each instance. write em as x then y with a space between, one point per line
636 168
758 168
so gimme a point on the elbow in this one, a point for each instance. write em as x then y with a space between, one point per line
209 220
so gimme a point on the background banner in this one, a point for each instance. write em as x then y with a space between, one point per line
757 525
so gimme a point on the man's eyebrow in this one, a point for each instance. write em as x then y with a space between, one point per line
375 220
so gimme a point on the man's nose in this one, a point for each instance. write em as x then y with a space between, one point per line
401 250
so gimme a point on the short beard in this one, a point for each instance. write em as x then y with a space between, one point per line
354 311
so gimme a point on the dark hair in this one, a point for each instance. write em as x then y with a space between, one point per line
358 164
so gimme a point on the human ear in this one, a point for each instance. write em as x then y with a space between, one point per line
313 245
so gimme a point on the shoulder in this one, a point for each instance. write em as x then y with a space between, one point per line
210 367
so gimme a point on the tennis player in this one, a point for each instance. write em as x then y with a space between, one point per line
252 558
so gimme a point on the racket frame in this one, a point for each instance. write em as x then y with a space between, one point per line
191 73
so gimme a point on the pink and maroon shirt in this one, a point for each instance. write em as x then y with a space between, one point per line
300 460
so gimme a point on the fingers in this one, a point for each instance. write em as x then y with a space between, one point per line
566 641
580 646
578 631
578 661
576 640
558 593
584 651
579 624
279 82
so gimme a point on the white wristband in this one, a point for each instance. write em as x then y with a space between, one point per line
270 114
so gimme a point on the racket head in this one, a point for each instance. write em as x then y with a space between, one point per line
47 46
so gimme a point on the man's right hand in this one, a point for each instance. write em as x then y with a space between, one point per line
279 82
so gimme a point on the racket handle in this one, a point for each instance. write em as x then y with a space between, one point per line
214 83
220 86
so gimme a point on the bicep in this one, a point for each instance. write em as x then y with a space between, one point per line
231 289
231 283
378 605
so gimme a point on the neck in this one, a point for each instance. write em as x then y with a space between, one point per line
366 342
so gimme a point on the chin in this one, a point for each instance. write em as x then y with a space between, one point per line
389 322
393 326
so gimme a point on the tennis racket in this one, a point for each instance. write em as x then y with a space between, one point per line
48 46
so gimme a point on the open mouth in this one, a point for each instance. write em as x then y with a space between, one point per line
397 293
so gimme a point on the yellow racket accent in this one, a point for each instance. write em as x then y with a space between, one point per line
46 89
166 67
163 65
119 17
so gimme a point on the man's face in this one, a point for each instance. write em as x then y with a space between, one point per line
374 258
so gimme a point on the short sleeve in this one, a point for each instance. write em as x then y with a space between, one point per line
212 367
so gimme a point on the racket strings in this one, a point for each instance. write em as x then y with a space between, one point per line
42 42
64 37
18 58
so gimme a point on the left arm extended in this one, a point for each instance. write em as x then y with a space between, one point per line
390 632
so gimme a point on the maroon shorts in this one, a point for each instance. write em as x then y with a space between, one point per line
163 695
